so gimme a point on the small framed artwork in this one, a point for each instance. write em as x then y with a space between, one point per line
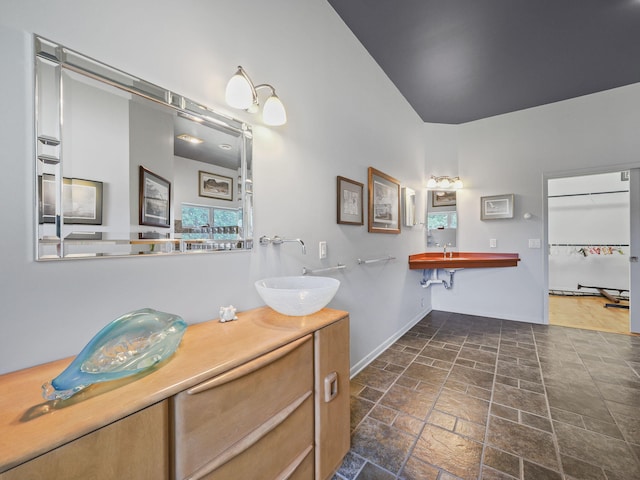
155 199
81 200
384 203
496 206
443 198
211 185
350 207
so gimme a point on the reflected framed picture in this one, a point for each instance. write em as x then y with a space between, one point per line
384 202
155 199
81 200
496 207
350 207
443 198
211 185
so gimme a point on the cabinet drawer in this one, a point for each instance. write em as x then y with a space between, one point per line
216 420
284 453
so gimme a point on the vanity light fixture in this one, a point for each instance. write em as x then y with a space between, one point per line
444 183
190 138
242 94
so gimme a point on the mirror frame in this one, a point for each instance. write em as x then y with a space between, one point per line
51 59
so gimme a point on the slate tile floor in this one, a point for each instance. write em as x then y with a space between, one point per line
465 397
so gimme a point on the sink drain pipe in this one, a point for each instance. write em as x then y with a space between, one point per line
433 278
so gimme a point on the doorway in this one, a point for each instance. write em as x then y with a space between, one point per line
589 234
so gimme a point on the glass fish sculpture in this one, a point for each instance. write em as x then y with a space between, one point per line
128 345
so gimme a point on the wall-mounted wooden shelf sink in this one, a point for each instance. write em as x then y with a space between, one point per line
431 260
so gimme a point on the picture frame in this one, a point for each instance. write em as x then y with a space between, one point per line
350 209
443 198
496 207
384 202
81 202
212 185
155 199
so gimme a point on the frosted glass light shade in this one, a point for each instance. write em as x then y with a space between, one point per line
239 93
273 112
458 184
444 183
432 183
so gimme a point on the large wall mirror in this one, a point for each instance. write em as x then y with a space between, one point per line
442 218
125 167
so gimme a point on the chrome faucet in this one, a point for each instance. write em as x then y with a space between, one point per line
279 240
444 250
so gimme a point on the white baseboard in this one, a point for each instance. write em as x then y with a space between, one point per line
358 367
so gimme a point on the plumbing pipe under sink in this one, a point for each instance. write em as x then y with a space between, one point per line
433 278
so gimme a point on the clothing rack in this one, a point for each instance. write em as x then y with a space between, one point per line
588 244
587 194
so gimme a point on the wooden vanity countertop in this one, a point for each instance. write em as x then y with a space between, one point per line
31 426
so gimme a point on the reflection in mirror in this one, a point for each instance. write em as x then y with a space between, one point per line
409 206
127 168
442 218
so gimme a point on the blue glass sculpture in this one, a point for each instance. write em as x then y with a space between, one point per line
130 344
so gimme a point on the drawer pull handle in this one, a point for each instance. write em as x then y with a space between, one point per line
251 439
248 367
330 387
293 466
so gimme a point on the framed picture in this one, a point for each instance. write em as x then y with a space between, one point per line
155 199
384 203
81 200
215 186
443 198
350 208
496 206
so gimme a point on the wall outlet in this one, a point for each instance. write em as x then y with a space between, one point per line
534 243
493 243
322 250
422 302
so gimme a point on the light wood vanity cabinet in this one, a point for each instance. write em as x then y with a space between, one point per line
258 421
270 402
136 446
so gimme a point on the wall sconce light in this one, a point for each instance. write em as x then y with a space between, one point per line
444 183
242 94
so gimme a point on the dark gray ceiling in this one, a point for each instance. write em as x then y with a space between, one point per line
461 60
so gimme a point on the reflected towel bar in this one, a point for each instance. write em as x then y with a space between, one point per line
340 266
375 260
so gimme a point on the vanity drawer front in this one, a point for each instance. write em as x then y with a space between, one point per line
219 419
284 453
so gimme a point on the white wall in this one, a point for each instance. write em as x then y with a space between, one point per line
336 127
515 153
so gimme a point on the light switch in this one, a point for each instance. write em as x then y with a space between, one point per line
534 243
493 243
322 250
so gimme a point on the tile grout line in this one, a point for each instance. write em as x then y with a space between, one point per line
604 400
546 400
424 421
377 403
493 388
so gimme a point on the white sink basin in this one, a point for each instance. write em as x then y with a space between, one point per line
297 296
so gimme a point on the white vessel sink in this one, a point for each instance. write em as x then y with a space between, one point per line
297 296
